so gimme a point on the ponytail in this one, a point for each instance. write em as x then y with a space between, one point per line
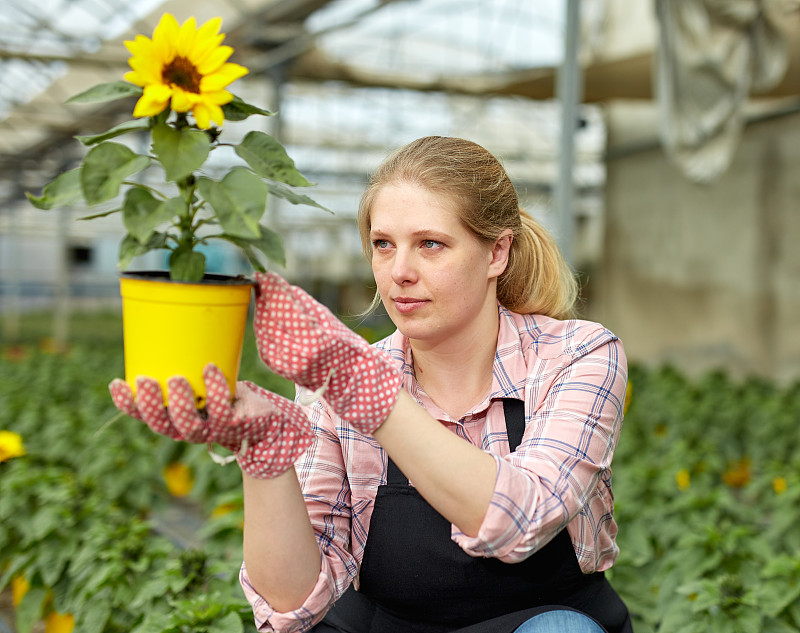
537 279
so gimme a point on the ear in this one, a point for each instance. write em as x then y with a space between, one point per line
499 253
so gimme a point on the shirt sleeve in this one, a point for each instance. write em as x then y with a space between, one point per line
574 414
324 482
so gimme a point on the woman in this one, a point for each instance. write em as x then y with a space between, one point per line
456 476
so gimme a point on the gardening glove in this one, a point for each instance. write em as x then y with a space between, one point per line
300 339
266 432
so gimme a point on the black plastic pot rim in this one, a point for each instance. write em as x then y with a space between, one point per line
208 278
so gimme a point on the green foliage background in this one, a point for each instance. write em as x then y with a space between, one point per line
82 515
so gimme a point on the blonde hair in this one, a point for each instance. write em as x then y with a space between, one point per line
537 279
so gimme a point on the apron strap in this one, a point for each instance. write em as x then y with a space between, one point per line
515 421
514 411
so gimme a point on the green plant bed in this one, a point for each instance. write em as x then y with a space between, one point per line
76 511
84 326
707 486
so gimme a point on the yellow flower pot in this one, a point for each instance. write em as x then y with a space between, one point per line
176 328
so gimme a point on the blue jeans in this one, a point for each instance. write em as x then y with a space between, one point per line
561 621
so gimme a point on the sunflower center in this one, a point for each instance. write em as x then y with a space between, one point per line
182 73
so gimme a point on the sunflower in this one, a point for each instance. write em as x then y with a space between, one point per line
183 67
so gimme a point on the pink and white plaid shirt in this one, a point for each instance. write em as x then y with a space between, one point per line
572 377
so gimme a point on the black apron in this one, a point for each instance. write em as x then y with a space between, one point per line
415 579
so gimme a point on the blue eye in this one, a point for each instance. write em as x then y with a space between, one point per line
380 243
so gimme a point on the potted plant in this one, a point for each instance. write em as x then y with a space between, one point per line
180 77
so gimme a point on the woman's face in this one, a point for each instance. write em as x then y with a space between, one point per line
433 275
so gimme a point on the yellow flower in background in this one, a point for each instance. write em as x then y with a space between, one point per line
224 508
10 445
15 353
59 623
185 68
19 587
779 485
628 396
738 474
683 479
178 478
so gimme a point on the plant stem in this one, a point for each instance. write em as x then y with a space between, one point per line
186 219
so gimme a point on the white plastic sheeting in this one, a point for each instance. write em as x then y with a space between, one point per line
712 54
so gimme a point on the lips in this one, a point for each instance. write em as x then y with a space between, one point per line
407 305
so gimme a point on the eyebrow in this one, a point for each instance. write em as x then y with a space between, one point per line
431 234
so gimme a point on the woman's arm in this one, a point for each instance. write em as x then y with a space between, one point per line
281 555
452 475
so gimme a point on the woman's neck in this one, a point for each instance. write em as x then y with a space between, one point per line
457 373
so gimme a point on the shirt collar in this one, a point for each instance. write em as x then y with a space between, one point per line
509 372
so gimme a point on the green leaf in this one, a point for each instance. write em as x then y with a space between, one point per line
57 552
180 151
248 251
269 159
268 242
154 623
239 201
93 616
295 198
238 110
101 214
110 91
130 247
43 523
142 212
105 168
30 609
63 191
231 623
118 130
186 264
749 621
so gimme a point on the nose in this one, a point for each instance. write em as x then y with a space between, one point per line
404 271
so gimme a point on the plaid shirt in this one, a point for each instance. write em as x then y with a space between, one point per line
572 377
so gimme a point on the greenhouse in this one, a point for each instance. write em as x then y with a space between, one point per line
654 144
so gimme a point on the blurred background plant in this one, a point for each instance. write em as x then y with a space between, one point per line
707 485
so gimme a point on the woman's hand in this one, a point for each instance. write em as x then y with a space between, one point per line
300 339
267 432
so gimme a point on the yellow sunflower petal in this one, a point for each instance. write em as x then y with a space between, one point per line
223 77
202 116
144 72
139 45
216 114
164 37
208 39
215 59
179 479
10 445
206 112
210 29
153 101
204 48
218 97
134 78
186 37
182 101
59 623
19 587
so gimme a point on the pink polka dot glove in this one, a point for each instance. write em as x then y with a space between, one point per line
300 339
266 432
